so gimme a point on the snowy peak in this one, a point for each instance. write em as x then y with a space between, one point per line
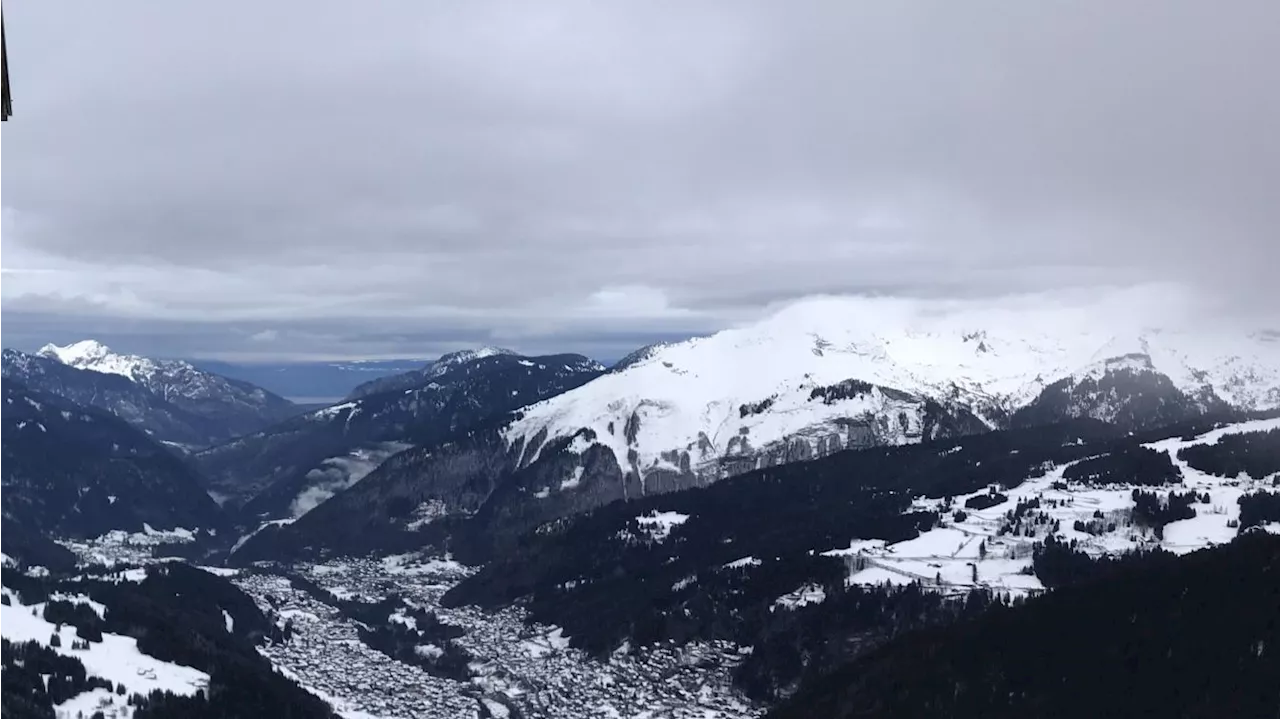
235 407
460 365
463 356
831 373
1128 391
84 351
95 356
1134 363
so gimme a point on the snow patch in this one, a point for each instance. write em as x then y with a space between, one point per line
658 525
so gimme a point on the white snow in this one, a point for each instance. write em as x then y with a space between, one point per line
115 658
229 621
688 396
87 703
658 525
417 565
95 356
948 558
498 710
574 479
856 546
744 562
333 410
804 596
270 523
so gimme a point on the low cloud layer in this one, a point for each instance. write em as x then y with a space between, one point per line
320 180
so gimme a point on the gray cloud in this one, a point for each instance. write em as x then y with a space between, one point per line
336 180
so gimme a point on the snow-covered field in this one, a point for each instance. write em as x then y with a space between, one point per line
960 555
115 658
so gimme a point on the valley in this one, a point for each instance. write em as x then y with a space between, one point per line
487 536
640 360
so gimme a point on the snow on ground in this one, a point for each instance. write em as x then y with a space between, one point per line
690 395
87 703
417 564
808 594
658 525
271 523
120 547
115 658
960 555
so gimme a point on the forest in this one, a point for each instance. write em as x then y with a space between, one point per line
606 578
176 614
1256 454
1128 464
1190 637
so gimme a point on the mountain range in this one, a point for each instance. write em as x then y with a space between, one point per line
169 399
849 494
805 383
290 467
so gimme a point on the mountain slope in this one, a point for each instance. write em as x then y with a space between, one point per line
819 377
236 407
1194 636
119 395
787 380
295 465
421 376
1127 391
74 471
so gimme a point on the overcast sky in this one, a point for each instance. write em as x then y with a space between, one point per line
316 179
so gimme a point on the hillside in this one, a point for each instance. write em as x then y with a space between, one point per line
816 378
289 468
79 472
1191 636
233 406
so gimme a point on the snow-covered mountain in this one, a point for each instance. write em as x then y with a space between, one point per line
816 377
424 375
160 419
236 407
822 375
296 464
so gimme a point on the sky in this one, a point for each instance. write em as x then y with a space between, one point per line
288 180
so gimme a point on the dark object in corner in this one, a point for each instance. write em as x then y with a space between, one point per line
6 104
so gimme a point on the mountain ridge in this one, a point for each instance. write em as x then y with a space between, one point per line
326 450
233 407
811 380
71 470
